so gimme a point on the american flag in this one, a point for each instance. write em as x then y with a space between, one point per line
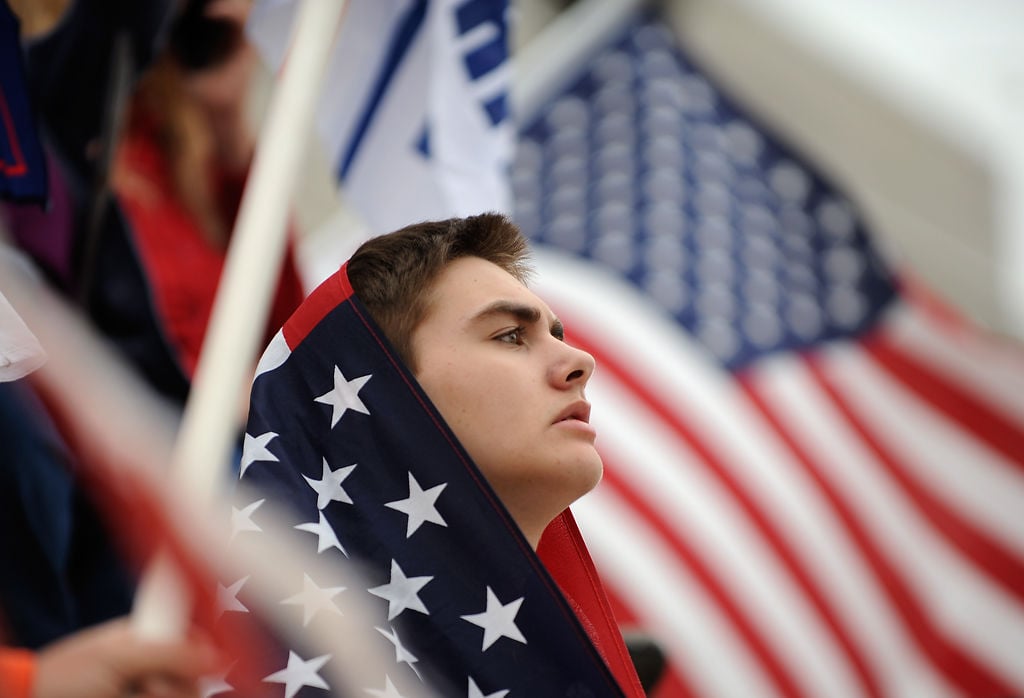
814 475
342 437
22 167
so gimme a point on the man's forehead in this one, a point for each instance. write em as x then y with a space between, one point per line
515 301
474 288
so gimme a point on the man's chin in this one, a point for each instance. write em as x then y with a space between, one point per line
587 475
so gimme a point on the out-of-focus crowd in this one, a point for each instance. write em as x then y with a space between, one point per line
141 109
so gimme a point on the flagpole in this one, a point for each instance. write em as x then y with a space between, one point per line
241 307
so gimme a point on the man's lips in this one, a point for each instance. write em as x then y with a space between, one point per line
579 411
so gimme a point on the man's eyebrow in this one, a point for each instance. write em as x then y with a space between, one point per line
521 312
527 314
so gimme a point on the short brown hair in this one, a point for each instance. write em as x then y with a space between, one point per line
393 274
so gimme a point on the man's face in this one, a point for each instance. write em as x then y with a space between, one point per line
490 356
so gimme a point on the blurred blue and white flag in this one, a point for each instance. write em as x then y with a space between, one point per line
414 114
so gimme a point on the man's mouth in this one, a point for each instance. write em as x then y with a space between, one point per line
579 411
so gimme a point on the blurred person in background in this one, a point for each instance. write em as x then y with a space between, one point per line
141 258
181 167
138 224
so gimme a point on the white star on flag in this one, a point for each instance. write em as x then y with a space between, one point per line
389 690
227 597
328 488
254 448
314 599
402 592
299 673
344 396
419 505
401 654
475 692
499 620
241 519
326 537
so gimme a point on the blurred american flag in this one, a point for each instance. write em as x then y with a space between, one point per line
814 474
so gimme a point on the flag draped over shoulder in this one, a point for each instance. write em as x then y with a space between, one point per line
414 114
341 436
814 482
22 167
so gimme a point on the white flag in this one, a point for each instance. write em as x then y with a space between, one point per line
414 112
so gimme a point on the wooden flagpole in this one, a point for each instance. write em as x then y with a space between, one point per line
243 298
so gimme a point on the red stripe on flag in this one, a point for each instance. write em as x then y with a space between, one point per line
867 678
971 413
322 300
955 663
673 683
781 678
1000 563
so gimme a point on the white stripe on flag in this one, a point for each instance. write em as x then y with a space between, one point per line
972 478
985 366
276 353
961 599
679 491
796 399
941 582
649 577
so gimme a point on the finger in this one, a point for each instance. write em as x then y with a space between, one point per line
165 687
177 661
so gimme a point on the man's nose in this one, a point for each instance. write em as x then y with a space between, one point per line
574 366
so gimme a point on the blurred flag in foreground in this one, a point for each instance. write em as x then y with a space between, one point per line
414 114
814 478
22 168
122 435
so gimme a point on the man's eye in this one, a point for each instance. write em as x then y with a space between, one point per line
512 336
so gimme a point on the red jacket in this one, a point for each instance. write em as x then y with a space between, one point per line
182 265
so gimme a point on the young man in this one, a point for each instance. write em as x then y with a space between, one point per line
490 354
421 413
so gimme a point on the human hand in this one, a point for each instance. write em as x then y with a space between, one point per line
110 661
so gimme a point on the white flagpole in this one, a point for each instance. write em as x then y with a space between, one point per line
240 310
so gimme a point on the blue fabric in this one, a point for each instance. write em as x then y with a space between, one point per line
22 166
58 570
